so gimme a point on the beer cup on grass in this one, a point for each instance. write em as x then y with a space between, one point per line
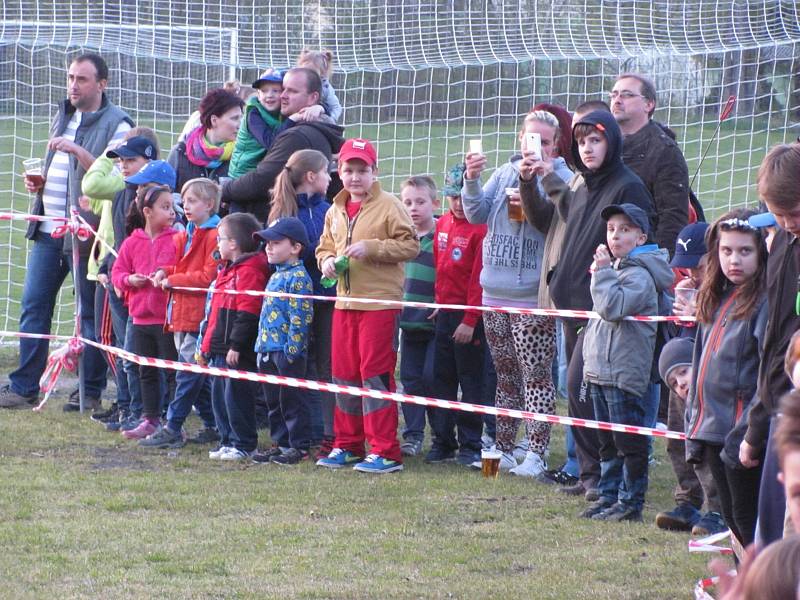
490 463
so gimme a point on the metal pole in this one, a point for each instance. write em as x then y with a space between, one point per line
76 283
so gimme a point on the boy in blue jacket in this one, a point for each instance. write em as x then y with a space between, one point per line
282 342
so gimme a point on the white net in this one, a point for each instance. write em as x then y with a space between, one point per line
419 77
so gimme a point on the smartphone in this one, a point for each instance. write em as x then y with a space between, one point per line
533 144
475 147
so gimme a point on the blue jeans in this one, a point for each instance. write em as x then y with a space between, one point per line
234 407
623 456
190 388
46 271
416 375
318 368
289 414
132 371
458 365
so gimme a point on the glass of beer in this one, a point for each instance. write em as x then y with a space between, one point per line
515 213
490 463
33 171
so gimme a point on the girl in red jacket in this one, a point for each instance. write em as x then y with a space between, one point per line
148 247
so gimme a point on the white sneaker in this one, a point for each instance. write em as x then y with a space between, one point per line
520 450
235 454
217 454
507 461
532 466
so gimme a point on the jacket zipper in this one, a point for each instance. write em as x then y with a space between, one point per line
351 224
714 341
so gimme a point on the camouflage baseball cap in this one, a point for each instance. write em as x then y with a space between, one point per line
454 181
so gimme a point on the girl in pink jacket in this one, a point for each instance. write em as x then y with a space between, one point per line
148 247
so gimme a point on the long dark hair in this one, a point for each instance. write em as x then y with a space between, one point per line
146 197
715 284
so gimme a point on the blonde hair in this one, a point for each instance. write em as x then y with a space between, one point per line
421 181
542 116
284 193
206 189
319 60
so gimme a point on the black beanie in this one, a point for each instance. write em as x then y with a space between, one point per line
676 352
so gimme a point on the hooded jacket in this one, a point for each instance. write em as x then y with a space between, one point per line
512 252
141 255
257 131
783 275
196 266
101 183
727 354
612 183
616 352
311 211
250 192
231 321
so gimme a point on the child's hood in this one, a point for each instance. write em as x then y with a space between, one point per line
608 125
656 261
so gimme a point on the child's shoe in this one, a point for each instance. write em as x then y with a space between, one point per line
709 524
533 466
438 454
145 428
619 512
164 438
217 454
595 508
681 518
234 454
338 458
520 450
411 447
377 464
291 457
507 461
263 457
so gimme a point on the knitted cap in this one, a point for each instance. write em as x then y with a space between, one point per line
454 181
675 353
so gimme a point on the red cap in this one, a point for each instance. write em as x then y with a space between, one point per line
360 149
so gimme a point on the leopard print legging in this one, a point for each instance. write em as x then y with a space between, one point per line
522 347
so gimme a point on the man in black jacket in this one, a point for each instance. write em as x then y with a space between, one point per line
301 89
653 155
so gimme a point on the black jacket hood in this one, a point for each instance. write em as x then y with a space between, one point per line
607 124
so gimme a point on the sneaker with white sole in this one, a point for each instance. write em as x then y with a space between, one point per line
411 447
338 459
217 454
533 466
377 464
507 461
235 454
520 450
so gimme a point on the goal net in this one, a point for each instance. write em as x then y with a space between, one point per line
420 77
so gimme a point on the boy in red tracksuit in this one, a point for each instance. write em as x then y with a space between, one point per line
459 344
372 229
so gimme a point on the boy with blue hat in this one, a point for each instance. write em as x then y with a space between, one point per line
282 342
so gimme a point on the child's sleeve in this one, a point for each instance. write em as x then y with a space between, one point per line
616 297
301 314
201 277
474 289
327 245
330 101
248 310
401 243
476 200
538 211
101 182
123 266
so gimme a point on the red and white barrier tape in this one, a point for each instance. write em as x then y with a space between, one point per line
65 357
98 237
546 312
12 216
709 543
383 395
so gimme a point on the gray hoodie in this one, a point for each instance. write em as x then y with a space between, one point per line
619 353
512 252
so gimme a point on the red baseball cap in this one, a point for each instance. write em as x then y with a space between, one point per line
360 149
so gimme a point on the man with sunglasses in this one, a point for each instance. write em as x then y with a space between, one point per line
650 150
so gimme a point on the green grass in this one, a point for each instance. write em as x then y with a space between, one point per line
88 515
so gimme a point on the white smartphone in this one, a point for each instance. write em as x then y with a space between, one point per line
475 147
533 144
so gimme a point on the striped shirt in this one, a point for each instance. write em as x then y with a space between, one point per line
54 194
419 287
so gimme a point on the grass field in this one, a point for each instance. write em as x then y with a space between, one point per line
86 514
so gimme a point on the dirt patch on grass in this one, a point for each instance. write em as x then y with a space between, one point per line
118 458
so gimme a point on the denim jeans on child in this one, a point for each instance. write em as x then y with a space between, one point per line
623 456
416 375
458 365
190 388
46 270
289 414
234 407
318 368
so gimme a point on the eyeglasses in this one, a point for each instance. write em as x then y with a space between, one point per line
624 95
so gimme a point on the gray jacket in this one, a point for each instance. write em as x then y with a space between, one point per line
512 252
619 353
727 354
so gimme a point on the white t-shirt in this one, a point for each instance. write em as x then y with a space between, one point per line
54 194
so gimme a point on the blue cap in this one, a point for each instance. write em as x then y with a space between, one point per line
138 146
269 76
765 219
156 171
690 246
285 227
637 216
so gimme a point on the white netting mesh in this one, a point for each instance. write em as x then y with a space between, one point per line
420 77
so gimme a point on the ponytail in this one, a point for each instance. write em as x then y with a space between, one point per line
146 196
284 193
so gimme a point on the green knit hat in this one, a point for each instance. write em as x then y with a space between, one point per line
454 181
